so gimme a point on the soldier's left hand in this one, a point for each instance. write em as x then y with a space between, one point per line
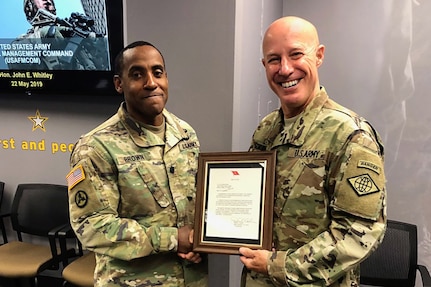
255 260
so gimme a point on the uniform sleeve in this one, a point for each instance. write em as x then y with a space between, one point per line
357 206
93 202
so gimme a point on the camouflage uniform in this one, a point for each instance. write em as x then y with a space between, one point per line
330 198
129 192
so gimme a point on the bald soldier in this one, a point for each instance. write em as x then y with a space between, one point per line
330 197
132 183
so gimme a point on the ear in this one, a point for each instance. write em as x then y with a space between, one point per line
320 55
263 62
118 84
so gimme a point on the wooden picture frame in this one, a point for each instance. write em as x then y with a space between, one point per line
234 201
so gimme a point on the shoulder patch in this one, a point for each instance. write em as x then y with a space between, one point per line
369 165
363 184
75 176
81 199
361 189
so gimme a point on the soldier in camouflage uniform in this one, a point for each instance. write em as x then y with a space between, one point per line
330 198
132 183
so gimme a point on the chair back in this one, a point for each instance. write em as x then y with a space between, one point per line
2 226
39 207
1 192
394 262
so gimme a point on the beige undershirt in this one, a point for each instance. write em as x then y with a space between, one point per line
157 130
288 122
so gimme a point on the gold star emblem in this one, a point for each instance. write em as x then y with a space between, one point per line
38 121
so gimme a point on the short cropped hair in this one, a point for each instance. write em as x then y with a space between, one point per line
119 64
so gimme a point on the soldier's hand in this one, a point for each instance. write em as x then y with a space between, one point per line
255 260
191 256
185 239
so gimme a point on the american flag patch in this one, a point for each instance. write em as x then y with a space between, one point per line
75 176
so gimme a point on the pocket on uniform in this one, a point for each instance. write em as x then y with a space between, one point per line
154 188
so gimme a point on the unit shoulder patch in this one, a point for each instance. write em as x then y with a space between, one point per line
363 184
81 199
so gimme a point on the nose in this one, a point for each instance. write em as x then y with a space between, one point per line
285 67
150 83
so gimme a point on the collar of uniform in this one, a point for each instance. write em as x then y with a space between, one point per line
140 136
298 131
174 131
143 138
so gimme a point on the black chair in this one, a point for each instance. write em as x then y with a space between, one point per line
395 262
2 215
38 211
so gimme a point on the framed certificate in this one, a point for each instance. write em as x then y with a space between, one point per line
234 201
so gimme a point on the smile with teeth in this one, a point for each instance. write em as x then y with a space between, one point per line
289 84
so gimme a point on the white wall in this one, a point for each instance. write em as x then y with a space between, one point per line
67 119
252 97
197 40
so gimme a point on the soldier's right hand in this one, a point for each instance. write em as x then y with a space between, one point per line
185 239
191 256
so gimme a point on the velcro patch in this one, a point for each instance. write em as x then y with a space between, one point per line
188 145
75 176
363 184
359 191
81 199
369 165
